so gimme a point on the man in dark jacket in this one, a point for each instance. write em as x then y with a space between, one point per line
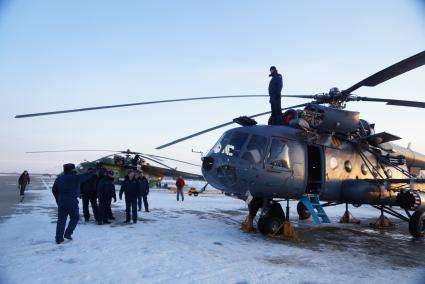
144 192
112 195
66 191
275 88
89 195
105 193
131 189
23 181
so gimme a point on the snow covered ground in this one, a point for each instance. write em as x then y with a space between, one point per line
199 241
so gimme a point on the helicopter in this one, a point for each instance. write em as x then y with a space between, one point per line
121 161
319 154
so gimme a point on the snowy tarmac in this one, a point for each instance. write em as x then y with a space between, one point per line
199 241
9 195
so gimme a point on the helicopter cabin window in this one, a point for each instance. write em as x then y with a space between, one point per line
255 150
231 144
278 156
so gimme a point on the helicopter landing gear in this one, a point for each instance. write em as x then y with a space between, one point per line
271 219
274 223
253 207
289 232
302 211
248 224
417 224
348 218
382 222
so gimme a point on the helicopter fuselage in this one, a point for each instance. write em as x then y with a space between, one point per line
282 162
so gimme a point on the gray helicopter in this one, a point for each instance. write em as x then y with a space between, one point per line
319 152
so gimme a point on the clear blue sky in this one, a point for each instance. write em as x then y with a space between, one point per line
65 54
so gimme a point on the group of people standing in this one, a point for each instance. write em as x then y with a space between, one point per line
135 188
96 188
102 189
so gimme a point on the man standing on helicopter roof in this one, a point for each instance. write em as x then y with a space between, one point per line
275 89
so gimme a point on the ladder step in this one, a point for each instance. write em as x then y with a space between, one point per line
312 203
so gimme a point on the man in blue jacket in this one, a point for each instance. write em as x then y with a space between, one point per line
275 88
131 189
144 191
88 196
66 191
105 193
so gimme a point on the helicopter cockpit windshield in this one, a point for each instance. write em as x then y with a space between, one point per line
230 144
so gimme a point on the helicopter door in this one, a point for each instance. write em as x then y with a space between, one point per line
314 173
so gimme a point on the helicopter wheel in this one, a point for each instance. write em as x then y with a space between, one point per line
271 222
303 213
417 224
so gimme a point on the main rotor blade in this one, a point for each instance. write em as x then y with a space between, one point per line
300 96
64 151
156 161
219 126
115 151
388 73
393 102
160 157
101 158
135 104
171 159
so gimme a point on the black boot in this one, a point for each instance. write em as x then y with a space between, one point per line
68 237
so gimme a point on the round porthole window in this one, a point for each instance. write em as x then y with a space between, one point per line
333 163
364 169
347 166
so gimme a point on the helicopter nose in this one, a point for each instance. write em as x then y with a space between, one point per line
208 163
220 171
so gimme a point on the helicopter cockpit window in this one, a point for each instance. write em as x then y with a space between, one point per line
255 150
230 144
278 155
